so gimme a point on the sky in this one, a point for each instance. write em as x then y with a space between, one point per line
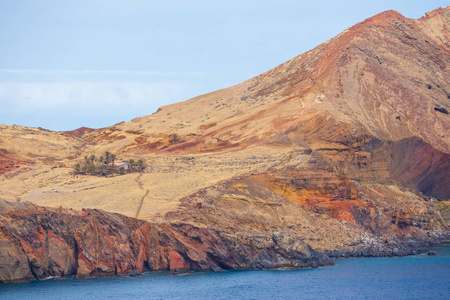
95 63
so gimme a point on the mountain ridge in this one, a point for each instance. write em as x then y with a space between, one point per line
302 83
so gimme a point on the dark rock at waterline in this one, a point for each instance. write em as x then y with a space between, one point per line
135 273
38 242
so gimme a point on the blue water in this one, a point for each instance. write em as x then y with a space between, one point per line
413 277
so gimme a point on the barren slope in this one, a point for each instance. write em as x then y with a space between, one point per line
386 77
367 101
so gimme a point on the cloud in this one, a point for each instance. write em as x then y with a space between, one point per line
67 105
43 95
66 99
24 75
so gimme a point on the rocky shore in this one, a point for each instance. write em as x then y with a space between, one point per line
39 242
386 248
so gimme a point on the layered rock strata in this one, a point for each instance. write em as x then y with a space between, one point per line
38 242
282 219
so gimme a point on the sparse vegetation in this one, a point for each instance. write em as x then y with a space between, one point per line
444 209
106 165
174 138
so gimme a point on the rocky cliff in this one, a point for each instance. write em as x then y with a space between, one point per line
38 242
282 219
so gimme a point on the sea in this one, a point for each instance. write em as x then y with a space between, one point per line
412 277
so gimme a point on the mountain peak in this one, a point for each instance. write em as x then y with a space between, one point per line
388 14
385 76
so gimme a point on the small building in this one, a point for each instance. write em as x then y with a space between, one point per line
119 165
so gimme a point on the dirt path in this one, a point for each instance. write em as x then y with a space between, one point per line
139 183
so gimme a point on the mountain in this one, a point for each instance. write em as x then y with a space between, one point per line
378 89
342 150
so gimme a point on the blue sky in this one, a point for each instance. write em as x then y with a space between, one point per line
67 64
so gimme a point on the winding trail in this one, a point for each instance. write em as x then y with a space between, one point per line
139 183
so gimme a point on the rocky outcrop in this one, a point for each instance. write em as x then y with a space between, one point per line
285 219
418 165
38 242
288 218
8 162
338 217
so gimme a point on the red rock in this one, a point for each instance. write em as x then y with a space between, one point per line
177 261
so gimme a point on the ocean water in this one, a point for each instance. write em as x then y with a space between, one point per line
412 277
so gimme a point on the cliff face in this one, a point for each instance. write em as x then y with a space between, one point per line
331 214
286 219
38 242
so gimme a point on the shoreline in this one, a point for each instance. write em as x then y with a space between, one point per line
417 247
37 243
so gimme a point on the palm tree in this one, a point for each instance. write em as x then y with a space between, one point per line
86 162
107 156
140 164
92 158
101 170
131 164
91 168
113 158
